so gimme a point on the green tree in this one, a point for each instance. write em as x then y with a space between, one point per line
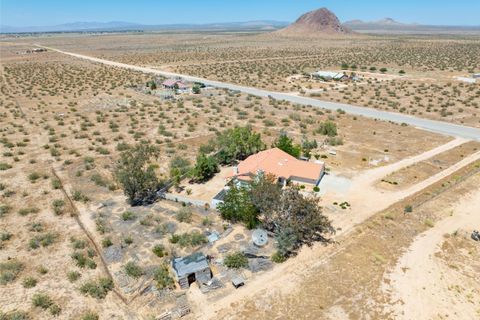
265 193
237 206
205 167
136 174
327 128
300 218
286 144
237 144
286 240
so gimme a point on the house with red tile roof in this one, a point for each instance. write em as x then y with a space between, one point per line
282 165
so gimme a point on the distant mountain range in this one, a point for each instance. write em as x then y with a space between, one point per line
311 20
389 25
128 26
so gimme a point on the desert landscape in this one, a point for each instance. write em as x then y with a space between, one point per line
310 171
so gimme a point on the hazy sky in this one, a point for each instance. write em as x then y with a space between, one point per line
50 12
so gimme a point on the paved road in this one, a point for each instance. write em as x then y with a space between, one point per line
441 127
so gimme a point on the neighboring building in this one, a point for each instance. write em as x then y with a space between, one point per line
476 76
327 75
218 198
192 268
178 85
280 164
466 80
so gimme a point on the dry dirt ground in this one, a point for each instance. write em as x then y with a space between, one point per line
64 121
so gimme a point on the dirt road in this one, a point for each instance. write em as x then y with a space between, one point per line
422 284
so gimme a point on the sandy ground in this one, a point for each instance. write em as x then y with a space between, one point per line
422 283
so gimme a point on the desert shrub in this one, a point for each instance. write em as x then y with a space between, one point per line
207 222
277 257
4 209
82 261
192 239
56 184
42 270
128 215
236 261
43 240
58 206
107 242
184 215
90 315
27 211
79 196
42 300
97 289
162 277
133 270
335 141
4 166
14 315
327 128
9 271
99 180
73 276
34 176
128 240
55 309
78 243
159 250
29 282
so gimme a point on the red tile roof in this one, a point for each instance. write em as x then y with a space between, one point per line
279 163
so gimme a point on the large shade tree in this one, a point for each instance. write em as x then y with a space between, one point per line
136 174
237 144
285 143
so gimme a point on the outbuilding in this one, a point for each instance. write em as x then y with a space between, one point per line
328 75
192 268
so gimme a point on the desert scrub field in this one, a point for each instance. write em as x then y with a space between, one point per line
427 65
65 121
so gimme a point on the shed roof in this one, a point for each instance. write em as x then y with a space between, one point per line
328 74
190 264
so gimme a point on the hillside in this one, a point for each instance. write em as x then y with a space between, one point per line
319 22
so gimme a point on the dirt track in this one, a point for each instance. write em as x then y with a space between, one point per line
423 283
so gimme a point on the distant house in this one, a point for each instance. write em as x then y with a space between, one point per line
476 76
327 75
178 85
280 164
192 268
466 80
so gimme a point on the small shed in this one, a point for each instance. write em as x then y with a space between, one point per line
259 237
192 268
238 281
